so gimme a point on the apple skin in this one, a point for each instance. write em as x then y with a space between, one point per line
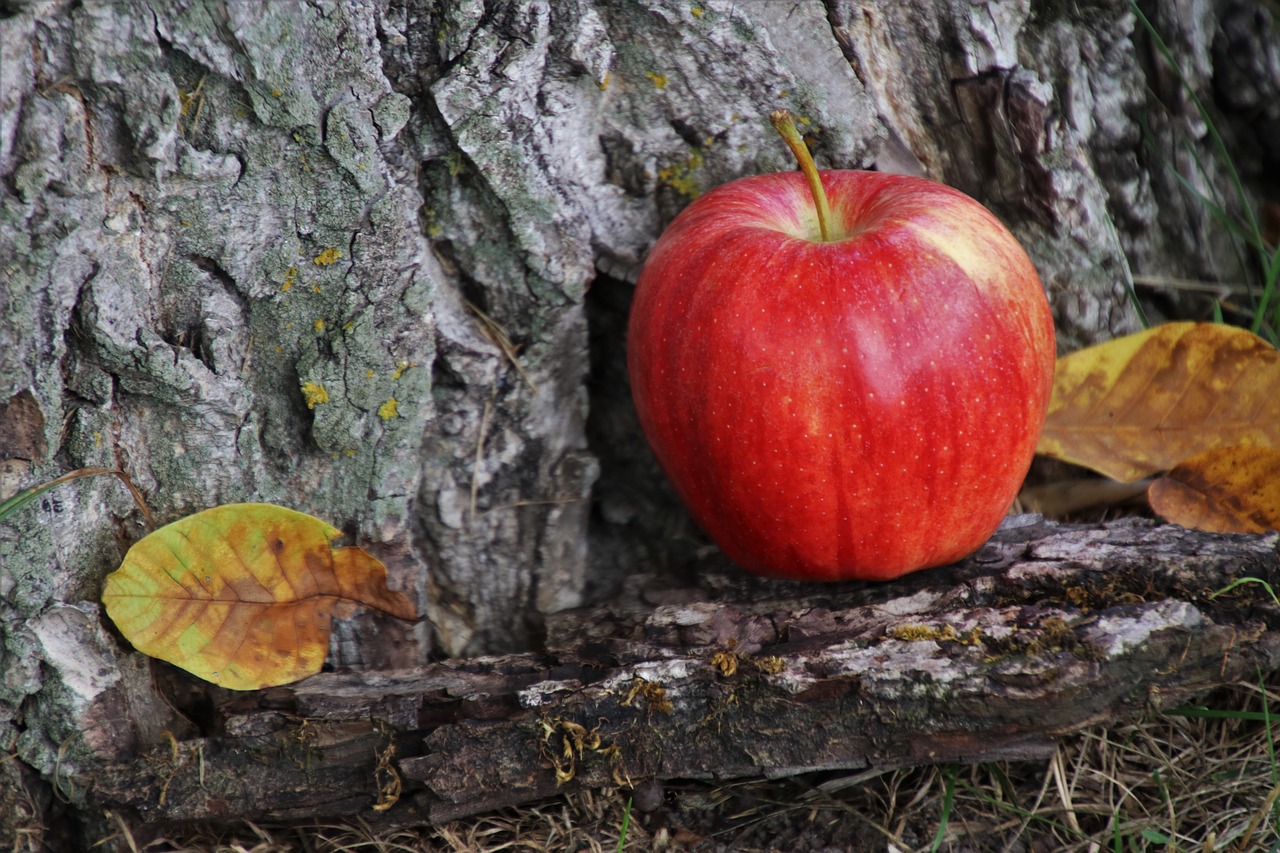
853 409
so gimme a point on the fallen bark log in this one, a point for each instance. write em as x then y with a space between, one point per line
1048 629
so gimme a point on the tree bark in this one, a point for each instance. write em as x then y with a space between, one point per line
371 260
1046 630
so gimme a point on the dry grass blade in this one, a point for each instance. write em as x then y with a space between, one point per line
497 335
1222 288
1258 816
26 495
481 435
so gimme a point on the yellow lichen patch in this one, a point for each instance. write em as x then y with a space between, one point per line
946 633
697 11
659 80
275 93
290 278
401 367
913 633
604 84
327 257
314 394
680 177
318 325
389 409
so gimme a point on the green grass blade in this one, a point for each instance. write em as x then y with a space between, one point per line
1219 714
1134 301
1271 743
1271 273
1242 582
1216 137
1216 210
1251 233
626 826
948 800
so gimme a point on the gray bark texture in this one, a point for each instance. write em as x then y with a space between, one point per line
372 259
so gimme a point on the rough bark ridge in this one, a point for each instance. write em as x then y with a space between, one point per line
1045 630
336 255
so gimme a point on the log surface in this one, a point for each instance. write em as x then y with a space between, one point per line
1046 630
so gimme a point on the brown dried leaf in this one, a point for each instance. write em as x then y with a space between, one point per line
1141 404
242 595
1227 490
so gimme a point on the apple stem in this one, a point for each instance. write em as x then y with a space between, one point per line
786 127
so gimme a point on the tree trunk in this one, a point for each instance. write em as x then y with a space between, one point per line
371 260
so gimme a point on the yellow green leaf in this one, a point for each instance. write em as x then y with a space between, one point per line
243 595
1227 490
1141 404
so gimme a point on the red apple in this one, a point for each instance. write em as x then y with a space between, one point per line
858 407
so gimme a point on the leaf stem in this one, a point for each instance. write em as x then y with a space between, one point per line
786 127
